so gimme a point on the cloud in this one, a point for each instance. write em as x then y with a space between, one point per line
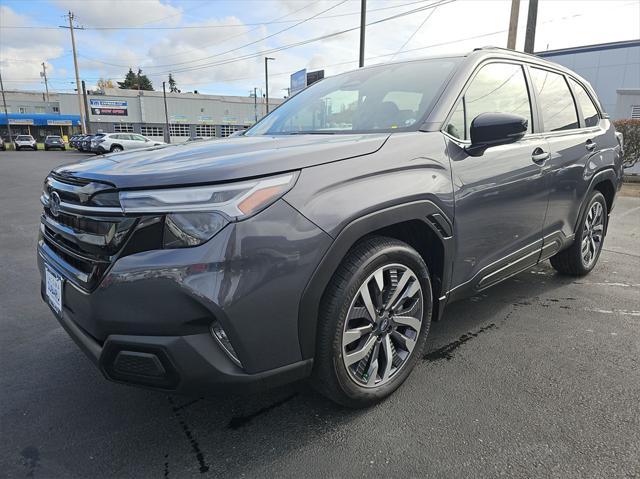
121 13
22 54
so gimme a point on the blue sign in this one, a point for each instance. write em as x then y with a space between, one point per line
298 81
108 107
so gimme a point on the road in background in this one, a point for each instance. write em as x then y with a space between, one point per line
538 376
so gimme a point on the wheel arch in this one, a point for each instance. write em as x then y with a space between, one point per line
114 145
421 224
605 182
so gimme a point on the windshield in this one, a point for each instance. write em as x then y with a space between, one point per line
24 138
392 97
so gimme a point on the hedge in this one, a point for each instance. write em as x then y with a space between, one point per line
630 130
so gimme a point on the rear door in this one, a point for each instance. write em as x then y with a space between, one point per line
501 196
579 141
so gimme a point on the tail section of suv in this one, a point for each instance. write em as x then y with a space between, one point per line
324 241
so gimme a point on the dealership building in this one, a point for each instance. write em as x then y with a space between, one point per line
131 111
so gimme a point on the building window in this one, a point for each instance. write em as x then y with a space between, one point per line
56 109
226 130
40 109
179 129
22 109
205 130
123 128
151 131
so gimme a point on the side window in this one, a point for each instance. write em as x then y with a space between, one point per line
556 102
589 111
137 137
498 88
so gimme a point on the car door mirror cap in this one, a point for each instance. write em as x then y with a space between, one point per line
493 129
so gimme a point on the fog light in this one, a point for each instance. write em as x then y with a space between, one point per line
221 336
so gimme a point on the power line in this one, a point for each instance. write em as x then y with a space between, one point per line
300 43
415 31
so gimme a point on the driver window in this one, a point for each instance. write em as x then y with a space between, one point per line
497 88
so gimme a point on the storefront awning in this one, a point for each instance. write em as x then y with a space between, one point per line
39 119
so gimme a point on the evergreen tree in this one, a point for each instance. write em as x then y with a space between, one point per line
131 81
173 87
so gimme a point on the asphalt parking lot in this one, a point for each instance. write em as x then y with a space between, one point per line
536 377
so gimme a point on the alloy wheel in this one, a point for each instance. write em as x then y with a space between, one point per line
592 234
382 325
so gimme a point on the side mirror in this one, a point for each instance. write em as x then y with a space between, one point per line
493 129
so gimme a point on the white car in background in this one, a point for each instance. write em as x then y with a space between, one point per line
25 141
113 142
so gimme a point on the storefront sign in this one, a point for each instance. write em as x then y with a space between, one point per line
20 121
298 81
108 107
59 122
206 119
178 119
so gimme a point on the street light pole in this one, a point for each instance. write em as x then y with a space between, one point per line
363 26
255 103
266 80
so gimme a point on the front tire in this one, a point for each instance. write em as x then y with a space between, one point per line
116 149
374 321
582 256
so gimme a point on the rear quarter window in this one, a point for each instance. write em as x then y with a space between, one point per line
590 113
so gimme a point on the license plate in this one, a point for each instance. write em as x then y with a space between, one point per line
53 288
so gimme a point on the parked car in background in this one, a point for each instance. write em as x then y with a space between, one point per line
73 141
84 144
3 146
324 241
93 142
54 141
114 142
25 142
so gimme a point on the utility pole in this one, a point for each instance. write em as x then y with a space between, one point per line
43 74
86 106
6 112
75 65
167 136
513 24
530 35
363 25
255 103
266 80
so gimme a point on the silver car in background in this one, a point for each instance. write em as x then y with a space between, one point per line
114 142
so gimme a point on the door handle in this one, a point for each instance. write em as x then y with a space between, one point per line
539 156
590 145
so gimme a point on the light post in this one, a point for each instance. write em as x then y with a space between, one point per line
266 80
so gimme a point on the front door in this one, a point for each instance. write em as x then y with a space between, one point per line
500 196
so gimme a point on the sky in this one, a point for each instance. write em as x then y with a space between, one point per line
218 46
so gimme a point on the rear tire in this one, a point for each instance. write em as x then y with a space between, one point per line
116 149
582 256
350 326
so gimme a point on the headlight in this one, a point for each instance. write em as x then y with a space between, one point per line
234 200
195 214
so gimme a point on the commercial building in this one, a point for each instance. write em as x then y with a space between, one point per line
115 110
613 69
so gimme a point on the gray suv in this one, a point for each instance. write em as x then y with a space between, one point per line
324 241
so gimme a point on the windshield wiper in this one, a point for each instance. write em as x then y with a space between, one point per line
311 132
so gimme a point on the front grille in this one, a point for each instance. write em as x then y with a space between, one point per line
88 245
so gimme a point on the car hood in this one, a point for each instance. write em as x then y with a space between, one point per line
221 160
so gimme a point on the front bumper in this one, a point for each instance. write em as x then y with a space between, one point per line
148 321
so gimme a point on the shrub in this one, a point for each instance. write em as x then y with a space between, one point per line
630 130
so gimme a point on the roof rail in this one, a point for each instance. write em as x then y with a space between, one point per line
491 47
